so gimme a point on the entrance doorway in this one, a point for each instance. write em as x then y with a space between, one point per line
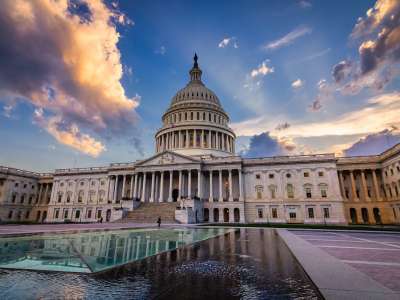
236 215
206 215
175 194
226 215
216 215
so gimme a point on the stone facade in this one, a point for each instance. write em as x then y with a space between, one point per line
196 167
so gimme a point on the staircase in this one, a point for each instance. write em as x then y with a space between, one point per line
149 213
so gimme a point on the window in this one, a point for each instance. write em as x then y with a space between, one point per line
89 214
66 214
59 197
358 193
62 184
260 213
288 175
274 211
82 183
93 183
290 191
292 215
272 189
323 193
16 184
13 197
326 212
191 116
25 184
258 176
271 176
306 174
77 214
102 182
80 196
308 192
101 196
69 197
369 192
310 212
259 191
320 174
92 196
70 183
391 171
99 214
346 192
27 214
22 198
198 116
10 214
56 213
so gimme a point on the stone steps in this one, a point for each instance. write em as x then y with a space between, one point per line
149 213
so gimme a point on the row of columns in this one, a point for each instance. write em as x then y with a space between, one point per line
46 187
138 185
194 138
364 187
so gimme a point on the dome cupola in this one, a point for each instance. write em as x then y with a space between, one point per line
195 122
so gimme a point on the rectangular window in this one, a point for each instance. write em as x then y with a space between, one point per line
306 174
56 213
89 214
308 192
66 214
323 193
320 174
272 193
271 176
258 176
260 213
274 211
311 212
326 212
99 214
292 215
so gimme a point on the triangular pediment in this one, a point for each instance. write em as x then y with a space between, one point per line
167 158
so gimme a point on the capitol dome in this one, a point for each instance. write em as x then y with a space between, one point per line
195 122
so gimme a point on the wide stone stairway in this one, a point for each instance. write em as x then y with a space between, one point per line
149 213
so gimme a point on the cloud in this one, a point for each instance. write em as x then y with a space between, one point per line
264 145
288 38
282 126
298 83
68 134
262 70
62 57
380 112
378 53
375 143
305 4
162 50
228 41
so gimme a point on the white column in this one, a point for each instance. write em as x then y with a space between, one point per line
199 184
353 187
135 190
180 185
223 141
364 186
211 187
194 138
202 139
220 186
180 139
46 191
115 188
216 140
161 196
123 186
190 183
131 187
230 188
187 139
170 186
376 186
209 139
108 189
152 187
240 185
40 193
144 188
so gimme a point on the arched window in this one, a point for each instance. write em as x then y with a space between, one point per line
191 115
198 116
59 197
204 116
69 196
290 190
80 195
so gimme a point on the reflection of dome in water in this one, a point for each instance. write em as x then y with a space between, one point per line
195 123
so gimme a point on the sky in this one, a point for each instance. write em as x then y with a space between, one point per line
85 83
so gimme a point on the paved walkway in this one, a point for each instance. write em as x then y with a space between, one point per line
7 230
375 254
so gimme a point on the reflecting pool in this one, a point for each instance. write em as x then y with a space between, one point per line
95 251
234 264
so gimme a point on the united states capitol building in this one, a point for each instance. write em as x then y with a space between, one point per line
196 177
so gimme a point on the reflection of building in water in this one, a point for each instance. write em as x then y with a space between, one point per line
195 164
97 251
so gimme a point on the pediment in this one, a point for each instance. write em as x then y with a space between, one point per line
167 158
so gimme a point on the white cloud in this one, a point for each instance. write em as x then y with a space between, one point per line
262 70
305 4
298 83
381 112
288 38
227 41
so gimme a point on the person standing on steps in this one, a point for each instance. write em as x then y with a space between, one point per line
159 222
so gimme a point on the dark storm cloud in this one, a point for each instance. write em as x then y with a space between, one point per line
264 145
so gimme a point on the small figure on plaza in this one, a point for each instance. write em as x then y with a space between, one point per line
159 222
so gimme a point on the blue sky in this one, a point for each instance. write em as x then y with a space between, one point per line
268 61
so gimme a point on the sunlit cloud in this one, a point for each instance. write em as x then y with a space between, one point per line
298 83
162 50
288 38
229 41
262 70
72 69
